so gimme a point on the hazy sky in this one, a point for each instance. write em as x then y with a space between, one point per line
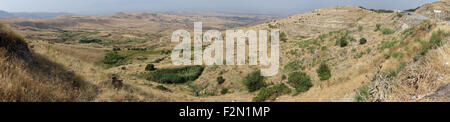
232 6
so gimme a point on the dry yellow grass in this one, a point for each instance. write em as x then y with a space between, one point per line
26 77
421 79
348 72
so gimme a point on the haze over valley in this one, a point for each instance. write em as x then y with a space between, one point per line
352 51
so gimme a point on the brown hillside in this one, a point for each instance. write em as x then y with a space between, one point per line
13 44
403 57
41 81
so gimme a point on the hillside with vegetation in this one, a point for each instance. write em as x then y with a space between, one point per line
26 76
341 53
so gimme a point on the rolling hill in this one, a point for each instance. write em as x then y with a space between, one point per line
341 53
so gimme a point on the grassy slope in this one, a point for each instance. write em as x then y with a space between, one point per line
348 72
28 77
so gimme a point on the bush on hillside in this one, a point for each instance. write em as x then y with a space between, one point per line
112 58
362 41
116 49
300 81
150 67
271 92
362 94
254 81
224 91
177 75
283 37
436 39
387 31
90 41
324 72
378 27
413 9
220 80
343 42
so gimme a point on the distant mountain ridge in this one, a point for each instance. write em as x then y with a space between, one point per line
5 14
31 14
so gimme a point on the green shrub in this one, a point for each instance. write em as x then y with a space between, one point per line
90 41
141 58
362 41
271 92
381 10
283 37
324 72
150 67
224 91
387 56
359 55
424 51
220 80
362 94
116 49
324 48
300 81
271 26
378 27
416 58
293 52
223 71
397 54
388 44
412 10
293 65
387 31
408 32
138 49
254 81
112 58
177 75
343 42
436 39
166 52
